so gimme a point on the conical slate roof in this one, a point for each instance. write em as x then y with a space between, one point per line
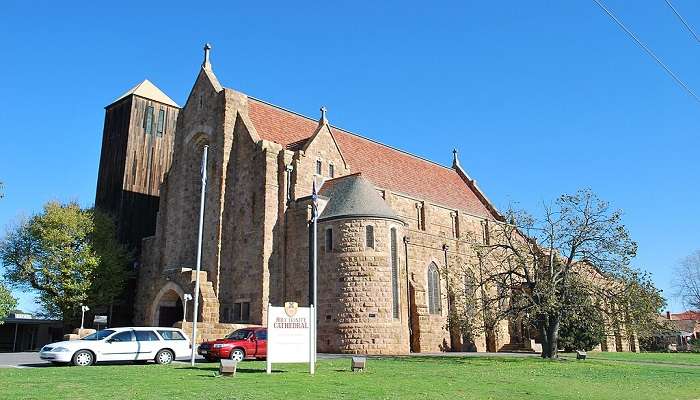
352 196
150 91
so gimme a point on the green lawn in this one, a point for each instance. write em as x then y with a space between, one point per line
390 378
668 358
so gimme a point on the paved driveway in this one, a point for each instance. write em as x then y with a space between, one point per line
32 360
22 360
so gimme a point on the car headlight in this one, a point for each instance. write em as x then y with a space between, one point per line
218 346
60 349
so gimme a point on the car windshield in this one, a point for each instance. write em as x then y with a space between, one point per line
99 335
239 334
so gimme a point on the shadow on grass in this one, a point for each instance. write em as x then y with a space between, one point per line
462 360
215 369
42 365
95 365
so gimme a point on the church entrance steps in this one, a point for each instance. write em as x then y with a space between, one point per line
517 348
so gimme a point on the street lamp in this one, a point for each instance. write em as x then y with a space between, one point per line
186 297
82 317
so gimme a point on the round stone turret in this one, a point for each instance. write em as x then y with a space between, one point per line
362 307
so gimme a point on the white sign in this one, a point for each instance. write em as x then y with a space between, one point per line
100 319
288 334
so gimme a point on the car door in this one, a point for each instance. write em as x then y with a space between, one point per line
148 344
261 343
175 340
121 346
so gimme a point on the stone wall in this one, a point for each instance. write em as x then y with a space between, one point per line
243 234
355 307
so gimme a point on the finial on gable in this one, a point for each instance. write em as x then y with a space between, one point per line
455 159
324 119
206 63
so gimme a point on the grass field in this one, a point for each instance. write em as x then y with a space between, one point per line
390 378
665 358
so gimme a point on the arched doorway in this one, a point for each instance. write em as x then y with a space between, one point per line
167 306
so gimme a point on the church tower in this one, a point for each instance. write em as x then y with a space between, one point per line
137 145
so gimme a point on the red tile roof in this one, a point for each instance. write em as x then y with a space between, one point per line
687 315
384 166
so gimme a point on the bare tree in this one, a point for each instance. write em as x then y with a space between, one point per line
687 280
528 268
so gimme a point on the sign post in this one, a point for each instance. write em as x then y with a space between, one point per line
289 335
100 319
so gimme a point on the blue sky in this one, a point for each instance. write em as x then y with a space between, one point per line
540 97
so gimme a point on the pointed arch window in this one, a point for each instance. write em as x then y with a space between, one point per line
433 288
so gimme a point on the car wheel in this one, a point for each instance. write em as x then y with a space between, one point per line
83 358
164 357
237 355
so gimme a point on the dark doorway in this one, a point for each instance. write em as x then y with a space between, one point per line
415 326
169 310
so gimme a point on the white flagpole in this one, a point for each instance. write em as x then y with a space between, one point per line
268 361
195 306
314 256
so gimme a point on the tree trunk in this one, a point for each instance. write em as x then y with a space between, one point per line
549 331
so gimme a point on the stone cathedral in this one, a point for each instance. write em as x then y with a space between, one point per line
389 223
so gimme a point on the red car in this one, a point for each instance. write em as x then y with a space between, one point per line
248 343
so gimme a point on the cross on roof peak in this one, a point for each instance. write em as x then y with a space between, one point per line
324 119
207 49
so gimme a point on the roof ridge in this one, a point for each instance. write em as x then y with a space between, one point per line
147 90
343 176
352 133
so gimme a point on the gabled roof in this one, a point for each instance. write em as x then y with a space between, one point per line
148 90
384 166
352 196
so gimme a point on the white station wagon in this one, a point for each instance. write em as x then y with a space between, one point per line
139 344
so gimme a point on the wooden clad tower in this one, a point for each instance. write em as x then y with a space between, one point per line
137 147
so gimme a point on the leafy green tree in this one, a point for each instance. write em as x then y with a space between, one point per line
67 254
7 302
582 323
110 278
